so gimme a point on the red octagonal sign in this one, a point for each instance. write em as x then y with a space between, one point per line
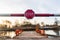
29 14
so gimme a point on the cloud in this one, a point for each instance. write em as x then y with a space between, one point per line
12 6
20 6
50 6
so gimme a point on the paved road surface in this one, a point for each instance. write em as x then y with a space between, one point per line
32 35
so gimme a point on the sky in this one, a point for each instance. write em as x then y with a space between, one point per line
38 6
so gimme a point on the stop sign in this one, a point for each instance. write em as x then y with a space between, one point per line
29 14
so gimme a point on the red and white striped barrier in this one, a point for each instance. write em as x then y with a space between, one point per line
30 14
35 14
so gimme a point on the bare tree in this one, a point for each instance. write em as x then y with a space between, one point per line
7 23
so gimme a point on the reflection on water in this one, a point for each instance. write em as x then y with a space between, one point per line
7 33
51 32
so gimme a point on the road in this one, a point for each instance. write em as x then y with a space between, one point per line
31 35
28 35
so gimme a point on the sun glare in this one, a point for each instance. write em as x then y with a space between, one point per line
35 20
